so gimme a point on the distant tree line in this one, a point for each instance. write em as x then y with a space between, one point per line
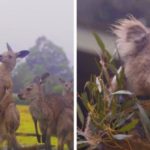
44 56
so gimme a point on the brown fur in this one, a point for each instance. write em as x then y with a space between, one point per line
65 129
9 115
133 41
46 109
68 92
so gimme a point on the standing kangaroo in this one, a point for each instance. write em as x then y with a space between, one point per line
9 115
64 127
47 109
68 91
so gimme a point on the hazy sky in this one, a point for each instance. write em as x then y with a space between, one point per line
22 21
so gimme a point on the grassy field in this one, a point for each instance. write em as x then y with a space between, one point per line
27 126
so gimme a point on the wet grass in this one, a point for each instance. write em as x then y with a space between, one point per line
27 126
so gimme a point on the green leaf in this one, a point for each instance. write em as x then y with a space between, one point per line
121 136
82 146
99 103
113 56
145 120
112 68
128 127
105 53
82 142
80 114
122 92
99 41
84 100
120 78
90 85
123 119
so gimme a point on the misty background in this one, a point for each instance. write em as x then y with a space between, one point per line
45 28
22 22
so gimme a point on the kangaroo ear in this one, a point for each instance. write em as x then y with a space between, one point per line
44 77
9 47
22 54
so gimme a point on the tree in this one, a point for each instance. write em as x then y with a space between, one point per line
44 57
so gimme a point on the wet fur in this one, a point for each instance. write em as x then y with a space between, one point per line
133 42
52 112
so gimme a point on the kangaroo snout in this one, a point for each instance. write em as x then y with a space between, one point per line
20 96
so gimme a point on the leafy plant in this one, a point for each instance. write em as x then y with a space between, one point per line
113 113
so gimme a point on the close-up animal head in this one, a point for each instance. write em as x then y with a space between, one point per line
132 36
9 57
34 89
68 85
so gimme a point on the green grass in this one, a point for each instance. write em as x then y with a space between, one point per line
27 126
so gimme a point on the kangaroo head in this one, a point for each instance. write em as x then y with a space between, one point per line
68 85
9 57
34 89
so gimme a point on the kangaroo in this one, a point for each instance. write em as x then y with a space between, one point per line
9 115
68 91
65 129
44 108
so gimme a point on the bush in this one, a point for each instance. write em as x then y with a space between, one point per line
115 115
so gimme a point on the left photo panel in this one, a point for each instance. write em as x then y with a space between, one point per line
36 75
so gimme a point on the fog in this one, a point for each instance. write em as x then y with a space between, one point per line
22 21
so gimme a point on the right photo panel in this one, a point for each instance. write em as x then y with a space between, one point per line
113 75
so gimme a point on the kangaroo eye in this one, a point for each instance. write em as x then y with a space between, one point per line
29 89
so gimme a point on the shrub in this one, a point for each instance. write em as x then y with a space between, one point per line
115 115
